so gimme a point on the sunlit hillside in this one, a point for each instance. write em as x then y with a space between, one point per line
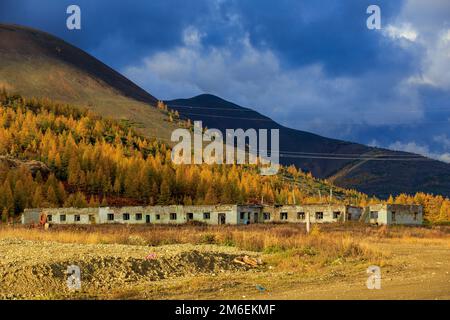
57 155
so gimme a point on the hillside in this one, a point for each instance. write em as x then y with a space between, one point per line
59 155
370 170
37 64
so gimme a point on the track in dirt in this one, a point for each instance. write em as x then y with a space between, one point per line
422 272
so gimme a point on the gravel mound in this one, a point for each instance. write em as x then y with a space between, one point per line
32 269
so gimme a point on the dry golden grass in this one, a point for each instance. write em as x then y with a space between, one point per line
287 245
257 237
333 252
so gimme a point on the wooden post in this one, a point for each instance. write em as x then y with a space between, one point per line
308 223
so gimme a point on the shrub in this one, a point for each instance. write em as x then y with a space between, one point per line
208 238
229 241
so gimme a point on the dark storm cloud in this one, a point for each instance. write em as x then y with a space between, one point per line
120 31
312 65
302 32
330 32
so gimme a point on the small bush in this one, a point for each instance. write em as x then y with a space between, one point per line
229 241
309 251
208 238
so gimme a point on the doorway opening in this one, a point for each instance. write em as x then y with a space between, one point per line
222 218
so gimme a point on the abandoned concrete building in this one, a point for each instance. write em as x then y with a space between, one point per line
394 214
228 214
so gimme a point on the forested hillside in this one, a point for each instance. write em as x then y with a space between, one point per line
107 161
34 63
81 159
347 164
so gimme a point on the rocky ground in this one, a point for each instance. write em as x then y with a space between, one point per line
416 269
38 270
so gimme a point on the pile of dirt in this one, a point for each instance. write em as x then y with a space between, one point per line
30 269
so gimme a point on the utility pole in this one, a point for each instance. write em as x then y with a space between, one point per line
320 196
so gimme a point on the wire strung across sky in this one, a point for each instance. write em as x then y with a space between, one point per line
228 117
270 120
312 155
342 156
213 108
418 158
239 109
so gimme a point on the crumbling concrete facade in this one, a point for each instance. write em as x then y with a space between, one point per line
316 213
62 216
175 214
228 214
394 214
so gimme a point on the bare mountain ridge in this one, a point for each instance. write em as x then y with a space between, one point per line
29 43
36 64
349 165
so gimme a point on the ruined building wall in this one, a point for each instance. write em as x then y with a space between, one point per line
395 214
230 214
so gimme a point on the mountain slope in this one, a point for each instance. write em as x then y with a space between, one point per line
62 156
350 165
37 64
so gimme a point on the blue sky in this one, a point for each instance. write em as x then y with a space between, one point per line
310 65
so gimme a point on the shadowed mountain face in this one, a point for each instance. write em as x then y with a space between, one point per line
37 64
371 170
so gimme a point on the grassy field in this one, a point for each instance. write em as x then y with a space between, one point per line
329 263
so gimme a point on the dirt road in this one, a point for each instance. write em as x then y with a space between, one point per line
416 271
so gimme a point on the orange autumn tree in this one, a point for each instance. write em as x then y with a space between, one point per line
94 161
